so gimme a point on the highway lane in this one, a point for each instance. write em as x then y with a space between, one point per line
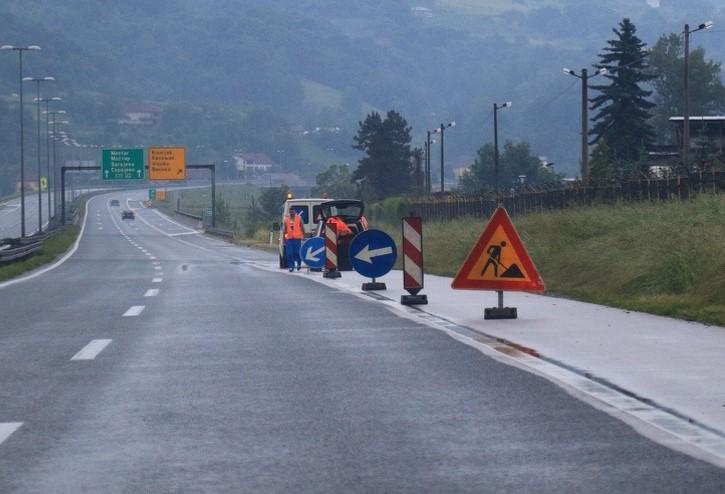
10 215
232 378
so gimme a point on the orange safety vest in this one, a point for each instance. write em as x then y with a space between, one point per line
293 230
342 228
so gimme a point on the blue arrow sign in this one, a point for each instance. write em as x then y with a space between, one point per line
313 252
372 253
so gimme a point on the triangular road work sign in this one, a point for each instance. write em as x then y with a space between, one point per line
499 261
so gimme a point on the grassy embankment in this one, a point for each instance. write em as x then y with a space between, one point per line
665 258
52 248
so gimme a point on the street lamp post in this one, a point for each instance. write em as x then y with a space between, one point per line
47 149
496 108
37 81
584 76
441 130
20 50
55 166
686 97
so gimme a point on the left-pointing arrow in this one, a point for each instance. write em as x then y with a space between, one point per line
312 255
366 254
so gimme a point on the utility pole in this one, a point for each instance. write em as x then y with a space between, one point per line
686 96
585 127
686 104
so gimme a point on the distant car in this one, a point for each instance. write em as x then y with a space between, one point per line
114 202
127 215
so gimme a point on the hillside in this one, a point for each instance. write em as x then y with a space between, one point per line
321 63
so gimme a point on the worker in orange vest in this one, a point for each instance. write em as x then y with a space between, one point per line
293 234
341 227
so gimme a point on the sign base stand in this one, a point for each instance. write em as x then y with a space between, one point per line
373 285
500 312
316 270
332 274
414 299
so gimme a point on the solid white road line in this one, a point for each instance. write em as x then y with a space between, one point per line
7 428
157 280
134 311
60 261
91 350
151 292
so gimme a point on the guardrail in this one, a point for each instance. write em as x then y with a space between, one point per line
220 232
188 215
20 248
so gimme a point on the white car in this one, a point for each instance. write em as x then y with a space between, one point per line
310 213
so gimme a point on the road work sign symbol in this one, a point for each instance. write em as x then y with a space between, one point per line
313 252
499 261
43 183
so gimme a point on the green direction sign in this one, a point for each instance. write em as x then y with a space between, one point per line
123 164
152 194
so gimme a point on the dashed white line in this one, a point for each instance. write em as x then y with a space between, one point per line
151 292
157 268
7 428
134 311
157 280
91 350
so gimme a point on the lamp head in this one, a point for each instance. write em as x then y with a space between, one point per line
7 47
33 47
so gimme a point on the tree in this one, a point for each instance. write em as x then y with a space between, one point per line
386 169
600 166
515 161
623 107
707 93
336 182
272 199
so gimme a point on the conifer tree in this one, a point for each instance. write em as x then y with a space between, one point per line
387 168
623 108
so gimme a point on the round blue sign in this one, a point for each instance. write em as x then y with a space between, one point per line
372 253
312 252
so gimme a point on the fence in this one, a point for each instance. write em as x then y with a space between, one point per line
573 195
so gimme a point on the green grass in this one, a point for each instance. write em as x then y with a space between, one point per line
50 251
665 258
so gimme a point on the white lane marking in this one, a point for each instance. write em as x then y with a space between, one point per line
166 218
7 428
134 311
61 260
156 263
152 257
151 293
185 233
91 350
157 268
157 280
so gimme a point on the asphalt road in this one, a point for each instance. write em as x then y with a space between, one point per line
10 215
221 377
